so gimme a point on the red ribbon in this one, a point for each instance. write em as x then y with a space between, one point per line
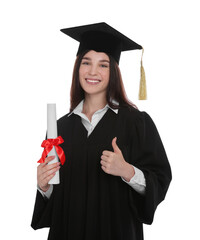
48 145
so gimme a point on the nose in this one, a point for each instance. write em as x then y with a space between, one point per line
93 70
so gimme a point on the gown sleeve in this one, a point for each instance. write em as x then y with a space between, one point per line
42 211
148 154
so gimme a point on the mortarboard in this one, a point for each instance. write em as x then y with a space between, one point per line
103 38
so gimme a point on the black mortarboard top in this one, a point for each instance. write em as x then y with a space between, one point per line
102 38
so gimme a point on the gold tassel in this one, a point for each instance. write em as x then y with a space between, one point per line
143 88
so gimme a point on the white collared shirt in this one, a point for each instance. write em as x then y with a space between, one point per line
137 182
96 117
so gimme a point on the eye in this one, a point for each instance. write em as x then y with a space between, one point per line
85 63
104 66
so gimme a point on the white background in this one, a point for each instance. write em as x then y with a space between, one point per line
36 62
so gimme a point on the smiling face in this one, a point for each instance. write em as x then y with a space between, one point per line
94 73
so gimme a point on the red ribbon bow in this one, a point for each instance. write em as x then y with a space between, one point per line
48 145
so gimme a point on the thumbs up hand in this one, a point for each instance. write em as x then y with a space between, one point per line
114 163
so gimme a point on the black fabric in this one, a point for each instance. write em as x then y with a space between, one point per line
89 204
101 37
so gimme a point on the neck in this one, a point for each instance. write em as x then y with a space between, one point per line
93 103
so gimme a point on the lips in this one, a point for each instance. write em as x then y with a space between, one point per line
92 81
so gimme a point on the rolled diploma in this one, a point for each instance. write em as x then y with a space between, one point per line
52 132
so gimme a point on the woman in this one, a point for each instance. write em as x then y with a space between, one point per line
116 170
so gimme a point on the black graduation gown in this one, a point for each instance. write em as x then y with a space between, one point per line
89 204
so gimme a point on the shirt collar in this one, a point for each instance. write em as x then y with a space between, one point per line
79 108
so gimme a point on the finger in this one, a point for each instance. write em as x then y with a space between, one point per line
104 169
48 159
104 157
103 163
49 167
43 169
114 145
49 172
50 177
107 153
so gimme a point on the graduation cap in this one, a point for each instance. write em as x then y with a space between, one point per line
101 37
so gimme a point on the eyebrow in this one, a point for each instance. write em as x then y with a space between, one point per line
103 60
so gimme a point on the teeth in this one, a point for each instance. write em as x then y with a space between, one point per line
93 81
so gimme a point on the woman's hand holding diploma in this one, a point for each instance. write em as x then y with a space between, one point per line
45 172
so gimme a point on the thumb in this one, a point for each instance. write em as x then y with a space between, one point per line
114 145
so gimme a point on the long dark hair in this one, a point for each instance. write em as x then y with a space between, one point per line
115 89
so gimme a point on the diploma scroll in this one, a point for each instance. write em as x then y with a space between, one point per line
52 132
